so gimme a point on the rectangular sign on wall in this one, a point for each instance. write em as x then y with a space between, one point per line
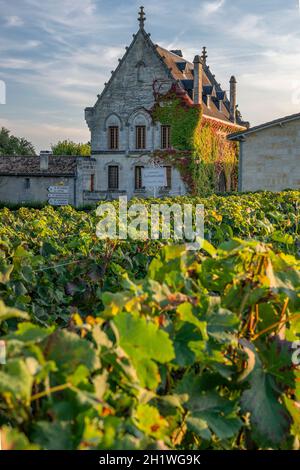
58 195
59 189
54 201
154 177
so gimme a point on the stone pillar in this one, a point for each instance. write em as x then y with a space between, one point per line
44 160
233 99
198 79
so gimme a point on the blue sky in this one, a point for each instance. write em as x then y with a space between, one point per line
56 55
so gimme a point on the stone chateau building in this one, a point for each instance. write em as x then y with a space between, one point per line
123 134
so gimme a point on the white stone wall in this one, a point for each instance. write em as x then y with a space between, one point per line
127 166
85 168
270 159
13 189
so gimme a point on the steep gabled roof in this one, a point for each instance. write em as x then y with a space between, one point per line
185 76
148 40
181 71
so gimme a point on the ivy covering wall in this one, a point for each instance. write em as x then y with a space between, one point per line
199 149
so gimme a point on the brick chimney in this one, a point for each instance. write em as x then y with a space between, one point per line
233 99
44 160
198 79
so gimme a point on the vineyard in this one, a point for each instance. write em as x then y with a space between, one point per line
145 345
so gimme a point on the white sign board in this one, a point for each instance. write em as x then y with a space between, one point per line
58 202
154 177
58 196
59 189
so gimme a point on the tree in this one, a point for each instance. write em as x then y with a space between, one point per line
11 145
67 147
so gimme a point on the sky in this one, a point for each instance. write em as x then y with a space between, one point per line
56 55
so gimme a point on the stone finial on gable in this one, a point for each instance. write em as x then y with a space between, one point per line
142 18
204 55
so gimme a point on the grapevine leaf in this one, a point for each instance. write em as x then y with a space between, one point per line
69 351
16 379
269 419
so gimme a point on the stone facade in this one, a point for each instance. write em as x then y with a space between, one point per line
270 156
126 103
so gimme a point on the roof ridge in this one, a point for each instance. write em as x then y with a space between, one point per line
265 125
183 59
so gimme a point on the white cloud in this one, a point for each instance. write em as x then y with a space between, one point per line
10 46
20 64
210 8
75 45
14 21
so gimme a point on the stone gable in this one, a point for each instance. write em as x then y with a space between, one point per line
130 88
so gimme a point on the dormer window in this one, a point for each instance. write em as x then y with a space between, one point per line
181 66
140 137
165 137
113 138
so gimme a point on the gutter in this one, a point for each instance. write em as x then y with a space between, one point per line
279 122
225 123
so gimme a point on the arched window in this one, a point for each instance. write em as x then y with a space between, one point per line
113 138
112 127
139 123
140 66
140 137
